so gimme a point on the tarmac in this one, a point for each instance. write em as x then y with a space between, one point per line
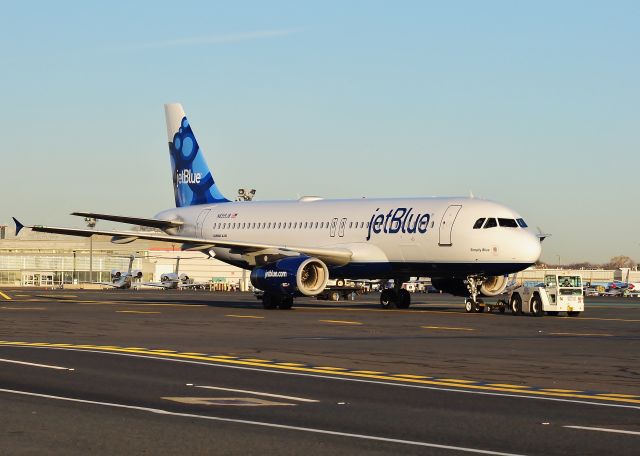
194 372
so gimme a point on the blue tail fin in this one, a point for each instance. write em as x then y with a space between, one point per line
192 180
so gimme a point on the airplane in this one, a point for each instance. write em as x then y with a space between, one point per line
174 280
468 246
121 279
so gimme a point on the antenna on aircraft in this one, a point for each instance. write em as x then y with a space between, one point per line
245 194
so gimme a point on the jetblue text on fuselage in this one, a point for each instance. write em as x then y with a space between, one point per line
187 177
399 220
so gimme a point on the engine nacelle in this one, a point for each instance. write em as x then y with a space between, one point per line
293 275
168 277
137 274
492 286
184 278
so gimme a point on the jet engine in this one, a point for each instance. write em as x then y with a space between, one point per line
291 276
136 274
492 286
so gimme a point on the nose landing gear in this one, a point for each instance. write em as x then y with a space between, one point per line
473 304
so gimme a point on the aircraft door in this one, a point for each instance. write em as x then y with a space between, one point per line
343 222
446 224
200 222
332 230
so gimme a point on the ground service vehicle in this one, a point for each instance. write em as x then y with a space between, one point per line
558 293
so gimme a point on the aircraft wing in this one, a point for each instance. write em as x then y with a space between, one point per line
334 256
106 284
153 284
153 223
192 285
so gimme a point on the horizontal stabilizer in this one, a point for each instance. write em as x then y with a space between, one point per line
153 223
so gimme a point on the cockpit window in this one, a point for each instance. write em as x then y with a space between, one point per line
490 223
509 223
478 223
522 223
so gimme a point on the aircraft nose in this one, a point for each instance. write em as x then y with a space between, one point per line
531 248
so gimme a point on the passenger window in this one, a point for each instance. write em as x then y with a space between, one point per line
508 223
316 225
490 223
522 223
478 224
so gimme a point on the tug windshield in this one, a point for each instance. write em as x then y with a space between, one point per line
569 281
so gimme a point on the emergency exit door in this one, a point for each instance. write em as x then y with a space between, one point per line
446 224
343 223
332 230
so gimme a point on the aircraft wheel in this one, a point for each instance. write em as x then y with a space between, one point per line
404 299
286 303
536 306
335 296
269 301
516 305
468 306
479 308
573 314
387 297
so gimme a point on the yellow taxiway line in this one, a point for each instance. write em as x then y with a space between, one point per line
5 296
341 322
340 372
448 328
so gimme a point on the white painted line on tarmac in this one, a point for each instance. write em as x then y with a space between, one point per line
617 431
256 393
24 363
213 363
263 424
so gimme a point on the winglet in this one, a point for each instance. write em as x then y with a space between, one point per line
19 225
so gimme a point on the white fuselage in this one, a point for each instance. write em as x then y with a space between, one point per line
388 237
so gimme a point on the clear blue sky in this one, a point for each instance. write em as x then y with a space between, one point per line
536 105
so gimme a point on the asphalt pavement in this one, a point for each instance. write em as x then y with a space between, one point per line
148 372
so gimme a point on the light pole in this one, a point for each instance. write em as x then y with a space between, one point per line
91 223
558 261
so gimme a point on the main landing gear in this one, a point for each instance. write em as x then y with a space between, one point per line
277 301
397 296
473 304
